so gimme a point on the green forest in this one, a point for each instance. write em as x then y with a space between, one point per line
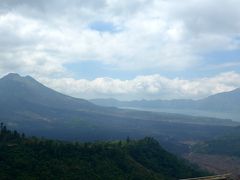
24 158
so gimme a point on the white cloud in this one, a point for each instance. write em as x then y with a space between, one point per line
163 34
148 87
40 37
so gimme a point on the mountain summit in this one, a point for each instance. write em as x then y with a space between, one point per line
26 90
12 76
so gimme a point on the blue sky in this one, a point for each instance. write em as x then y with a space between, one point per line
102 26
124 49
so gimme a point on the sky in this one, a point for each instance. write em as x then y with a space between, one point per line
138 49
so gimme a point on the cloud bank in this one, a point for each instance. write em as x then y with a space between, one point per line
41 38
45 35
146 87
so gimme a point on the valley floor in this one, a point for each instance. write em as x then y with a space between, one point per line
217 164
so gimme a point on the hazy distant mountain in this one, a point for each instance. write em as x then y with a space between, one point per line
222 102
29 106
144 103
226 101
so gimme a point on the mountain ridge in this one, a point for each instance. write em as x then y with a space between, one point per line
222 102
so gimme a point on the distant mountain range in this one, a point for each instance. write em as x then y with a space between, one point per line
31 107
226 102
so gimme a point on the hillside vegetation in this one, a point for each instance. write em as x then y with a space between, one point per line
227 145
33 158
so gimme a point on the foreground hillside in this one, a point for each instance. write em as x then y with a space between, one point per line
33 158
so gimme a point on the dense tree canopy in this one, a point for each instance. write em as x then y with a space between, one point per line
34 158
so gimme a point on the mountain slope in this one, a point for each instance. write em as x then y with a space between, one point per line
32 158
28 106
17 89
226 101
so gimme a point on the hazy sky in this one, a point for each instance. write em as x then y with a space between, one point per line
127 49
